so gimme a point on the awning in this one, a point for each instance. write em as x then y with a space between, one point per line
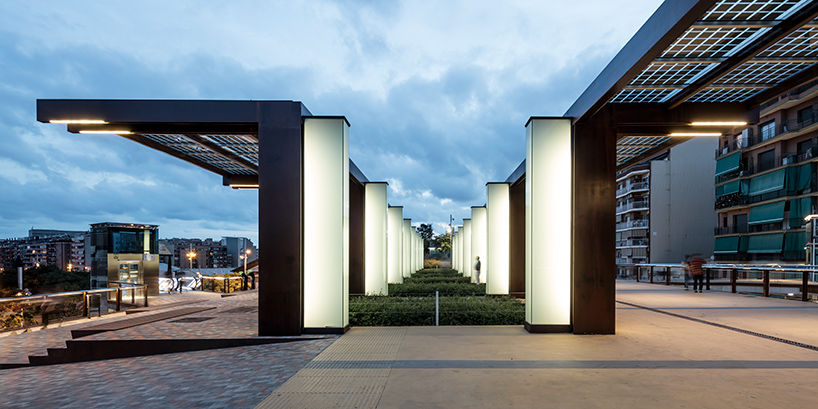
768 213
795 242
799 209
766 243
799 177
726 245
728 188
728 164
769 182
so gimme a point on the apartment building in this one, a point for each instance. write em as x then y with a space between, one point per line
765 182
664 206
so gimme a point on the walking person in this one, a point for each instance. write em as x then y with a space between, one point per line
252 275
697 272
477 268
243 281
199 281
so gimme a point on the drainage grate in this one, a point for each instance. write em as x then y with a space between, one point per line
240 310
192 319
743 331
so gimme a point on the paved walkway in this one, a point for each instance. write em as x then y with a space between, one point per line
673 349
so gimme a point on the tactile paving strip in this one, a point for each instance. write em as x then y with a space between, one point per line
335 379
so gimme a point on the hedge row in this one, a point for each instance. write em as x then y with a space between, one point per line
418 311
429 288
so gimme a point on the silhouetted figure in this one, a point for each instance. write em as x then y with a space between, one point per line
243 281
252 275
477 268
199 281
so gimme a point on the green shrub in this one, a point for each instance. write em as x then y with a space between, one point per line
426 289
419 311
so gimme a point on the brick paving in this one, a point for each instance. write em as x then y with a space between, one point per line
221 378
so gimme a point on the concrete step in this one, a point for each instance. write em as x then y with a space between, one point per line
138 320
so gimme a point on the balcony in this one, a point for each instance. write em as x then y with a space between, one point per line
632 188
633 224
788 127
719 231
635 206
632 243
740 199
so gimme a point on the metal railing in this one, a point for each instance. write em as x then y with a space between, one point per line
632 242
632 187
642 204
631 224
36 310
734 277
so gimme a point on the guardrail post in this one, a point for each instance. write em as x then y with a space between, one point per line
733 280
133 295
766 281
118 299
145 289
85 305
667 275
804 286
437 308
638 273
707 279
651 274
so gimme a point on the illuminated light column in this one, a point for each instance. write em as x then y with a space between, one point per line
414 251
375 247
407 248
455 239
394 235
326 224
468 266
498 238
478 243
459 251
548 225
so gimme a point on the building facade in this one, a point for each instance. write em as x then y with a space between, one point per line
765 182
124 252
664 209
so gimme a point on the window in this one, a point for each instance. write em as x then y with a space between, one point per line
806 116
768 130
766 160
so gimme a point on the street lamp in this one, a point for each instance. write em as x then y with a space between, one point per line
245 254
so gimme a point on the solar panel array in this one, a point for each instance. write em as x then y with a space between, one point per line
218 151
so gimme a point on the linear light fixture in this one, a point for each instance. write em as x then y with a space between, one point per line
77 121
112 131
689 134
237 186
725 123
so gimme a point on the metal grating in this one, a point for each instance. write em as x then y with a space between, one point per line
714 94
801 43
629 147
711 42
762 74
630 95
670 74
753 10
244 146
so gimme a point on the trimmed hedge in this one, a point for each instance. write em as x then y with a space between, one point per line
419 311
429 288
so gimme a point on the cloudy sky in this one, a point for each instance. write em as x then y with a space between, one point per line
437 92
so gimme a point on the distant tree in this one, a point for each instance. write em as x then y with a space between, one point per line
45 279
443 243
426 232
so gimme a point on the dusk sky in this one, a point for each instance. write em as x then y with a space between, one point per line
437 93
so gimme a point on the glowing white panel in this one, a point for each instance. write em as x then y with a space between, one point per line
548 221
455 252
478 243
468 265
407 248
413 249
326 223
498 238
395 245
375 244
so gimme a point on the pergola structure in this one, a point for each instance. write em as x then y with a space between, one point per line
312 197
697 67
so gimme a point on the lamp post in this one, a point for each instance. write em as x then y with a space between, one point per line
190 255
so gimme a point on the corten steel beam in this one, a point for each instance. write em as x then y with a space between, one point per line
803 16
516 279
669 21
594 227
357 268
280 218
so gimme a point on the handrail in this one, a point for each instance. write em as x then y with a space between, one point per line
64 294
764 271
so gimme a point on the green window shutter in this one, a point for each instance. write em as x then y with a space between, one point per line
732 187
799 209
766 183
728 164
726 245
794 244
768 213
743 243
766 243
720 191
804 176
